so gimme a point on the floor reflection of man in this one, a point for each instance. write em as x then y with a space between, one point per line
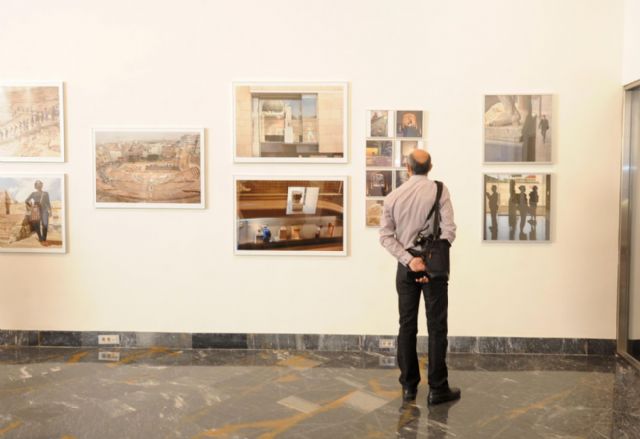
494 202
408 421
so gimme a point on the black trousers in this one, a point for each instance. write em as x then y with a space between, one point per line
436 299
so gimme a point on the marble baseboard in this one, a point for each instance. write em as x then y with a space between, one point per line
382 344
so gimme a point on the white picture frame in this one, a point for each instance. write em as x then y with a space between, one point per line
128 132
248 149
57 226
31 117
292 181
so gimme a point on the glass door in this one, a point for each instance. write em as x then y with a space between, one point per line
629 268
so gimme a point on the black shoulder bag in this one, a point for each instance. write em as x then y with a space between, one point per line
428 246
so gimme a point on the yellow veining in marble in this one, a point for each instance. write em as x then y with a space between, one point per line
298 362
138 355
375 386
288 378
276 426
512 414
10 427
77 357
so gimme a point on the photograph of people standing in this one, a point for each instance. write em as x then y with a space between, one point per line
525 215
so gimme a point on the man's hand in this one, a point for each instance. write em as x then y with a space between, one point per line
423 280
417 264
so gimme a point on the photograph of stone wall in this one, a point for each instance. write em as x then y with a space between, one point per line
290 122
518 128
31 122
285 216
149 168
32 212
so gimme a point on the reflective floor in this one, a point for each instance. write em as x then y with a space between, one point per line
162 393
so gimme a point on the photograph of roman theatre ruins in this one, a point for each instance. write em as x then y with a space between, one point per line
290 215
147 168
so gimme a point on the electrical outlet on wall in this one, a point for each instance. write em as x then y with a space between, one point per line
387 343
387 361
108 356
108 339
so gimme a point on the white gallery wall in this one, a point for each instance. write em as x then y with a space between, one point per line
631 61
172 63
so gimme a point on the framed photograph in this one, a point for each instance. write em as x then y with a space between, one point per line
290 122
409 124
380 123
31 121
374 212
403 149
290 215
400 177
379 183
149 167
379 153
518 128
32 213
517 207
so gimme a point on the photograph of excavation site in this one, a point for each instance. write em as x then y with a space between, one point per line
287 216
149 168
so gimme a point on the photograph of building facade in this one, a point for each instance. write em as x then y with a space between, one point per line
278 216
290 122
149 168
31 122
517 207
32 213
517 128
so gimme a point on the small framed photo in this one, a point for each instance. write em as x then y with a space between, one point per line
403 149
374 212
32 213
409 124
400 177
146 167
290 215
31 121
379 153
517 207
290 122
380 123
379 183
518 128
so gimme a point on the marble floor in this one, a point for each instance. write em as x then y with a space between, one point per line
163 393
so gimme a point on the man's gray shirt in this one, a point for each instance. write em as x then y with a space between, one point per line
405 215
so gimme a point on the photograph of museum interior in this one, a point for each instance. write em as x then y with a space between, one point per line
517 128
290 215
517 207
409 124
148 167
30 122
290 121
32 213
379 153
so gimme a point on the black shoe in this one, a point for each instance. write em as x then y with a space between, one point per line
445 395
409 394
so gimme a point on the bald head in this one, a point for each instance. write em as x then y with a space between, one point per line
419 162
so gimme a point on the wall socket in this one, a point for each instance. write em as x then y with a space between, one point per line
386 343
387 361
108 356
108 339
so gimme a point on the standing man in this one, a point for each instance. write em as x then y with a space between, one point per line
544 127
404 216
494 202
39 201
523 207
